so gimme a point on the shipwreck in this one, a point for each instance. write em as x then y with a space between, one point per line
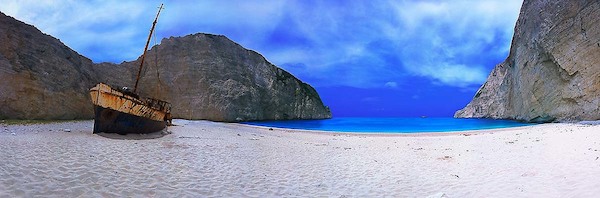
124 111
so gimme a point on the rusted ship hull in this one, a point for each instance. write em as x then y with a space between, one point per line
124 113
112 121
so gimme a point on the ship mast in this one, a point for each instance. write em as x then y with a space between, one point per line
137 79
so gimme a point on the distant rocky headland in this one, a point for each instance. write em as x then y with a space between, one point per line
204 76
553 70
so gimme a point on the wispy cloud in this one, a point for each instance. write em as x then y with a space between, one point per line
391 84
446 41
351 43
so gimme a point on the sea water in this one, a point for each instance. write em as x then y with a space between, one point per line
391 125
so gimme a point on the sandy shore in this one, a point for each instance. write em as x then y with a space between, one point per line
207 159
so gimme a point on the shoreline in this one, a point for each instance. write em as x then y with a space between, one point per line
392 134
211 159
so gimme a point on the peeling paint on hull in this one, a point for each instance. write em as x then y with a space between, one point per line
124 113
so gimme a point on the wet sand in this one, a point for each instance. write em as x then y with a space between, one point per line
208 159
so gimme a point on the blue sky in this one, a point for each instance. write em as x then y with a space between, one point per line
365 58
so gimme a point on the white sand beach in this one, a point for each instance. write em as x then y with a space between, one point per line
208 159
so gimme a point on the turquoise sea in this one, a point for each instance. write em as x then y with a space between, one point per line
391 125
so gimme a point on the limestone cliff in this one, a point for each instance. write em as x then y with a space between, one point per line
553 70
211 77
41 78
203 76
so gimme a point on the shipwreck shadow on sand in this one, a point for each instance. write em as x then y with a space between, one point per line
146 136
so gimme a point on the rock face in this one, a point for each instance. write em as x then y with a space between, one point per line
211 77
553 70
203 76
40 77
